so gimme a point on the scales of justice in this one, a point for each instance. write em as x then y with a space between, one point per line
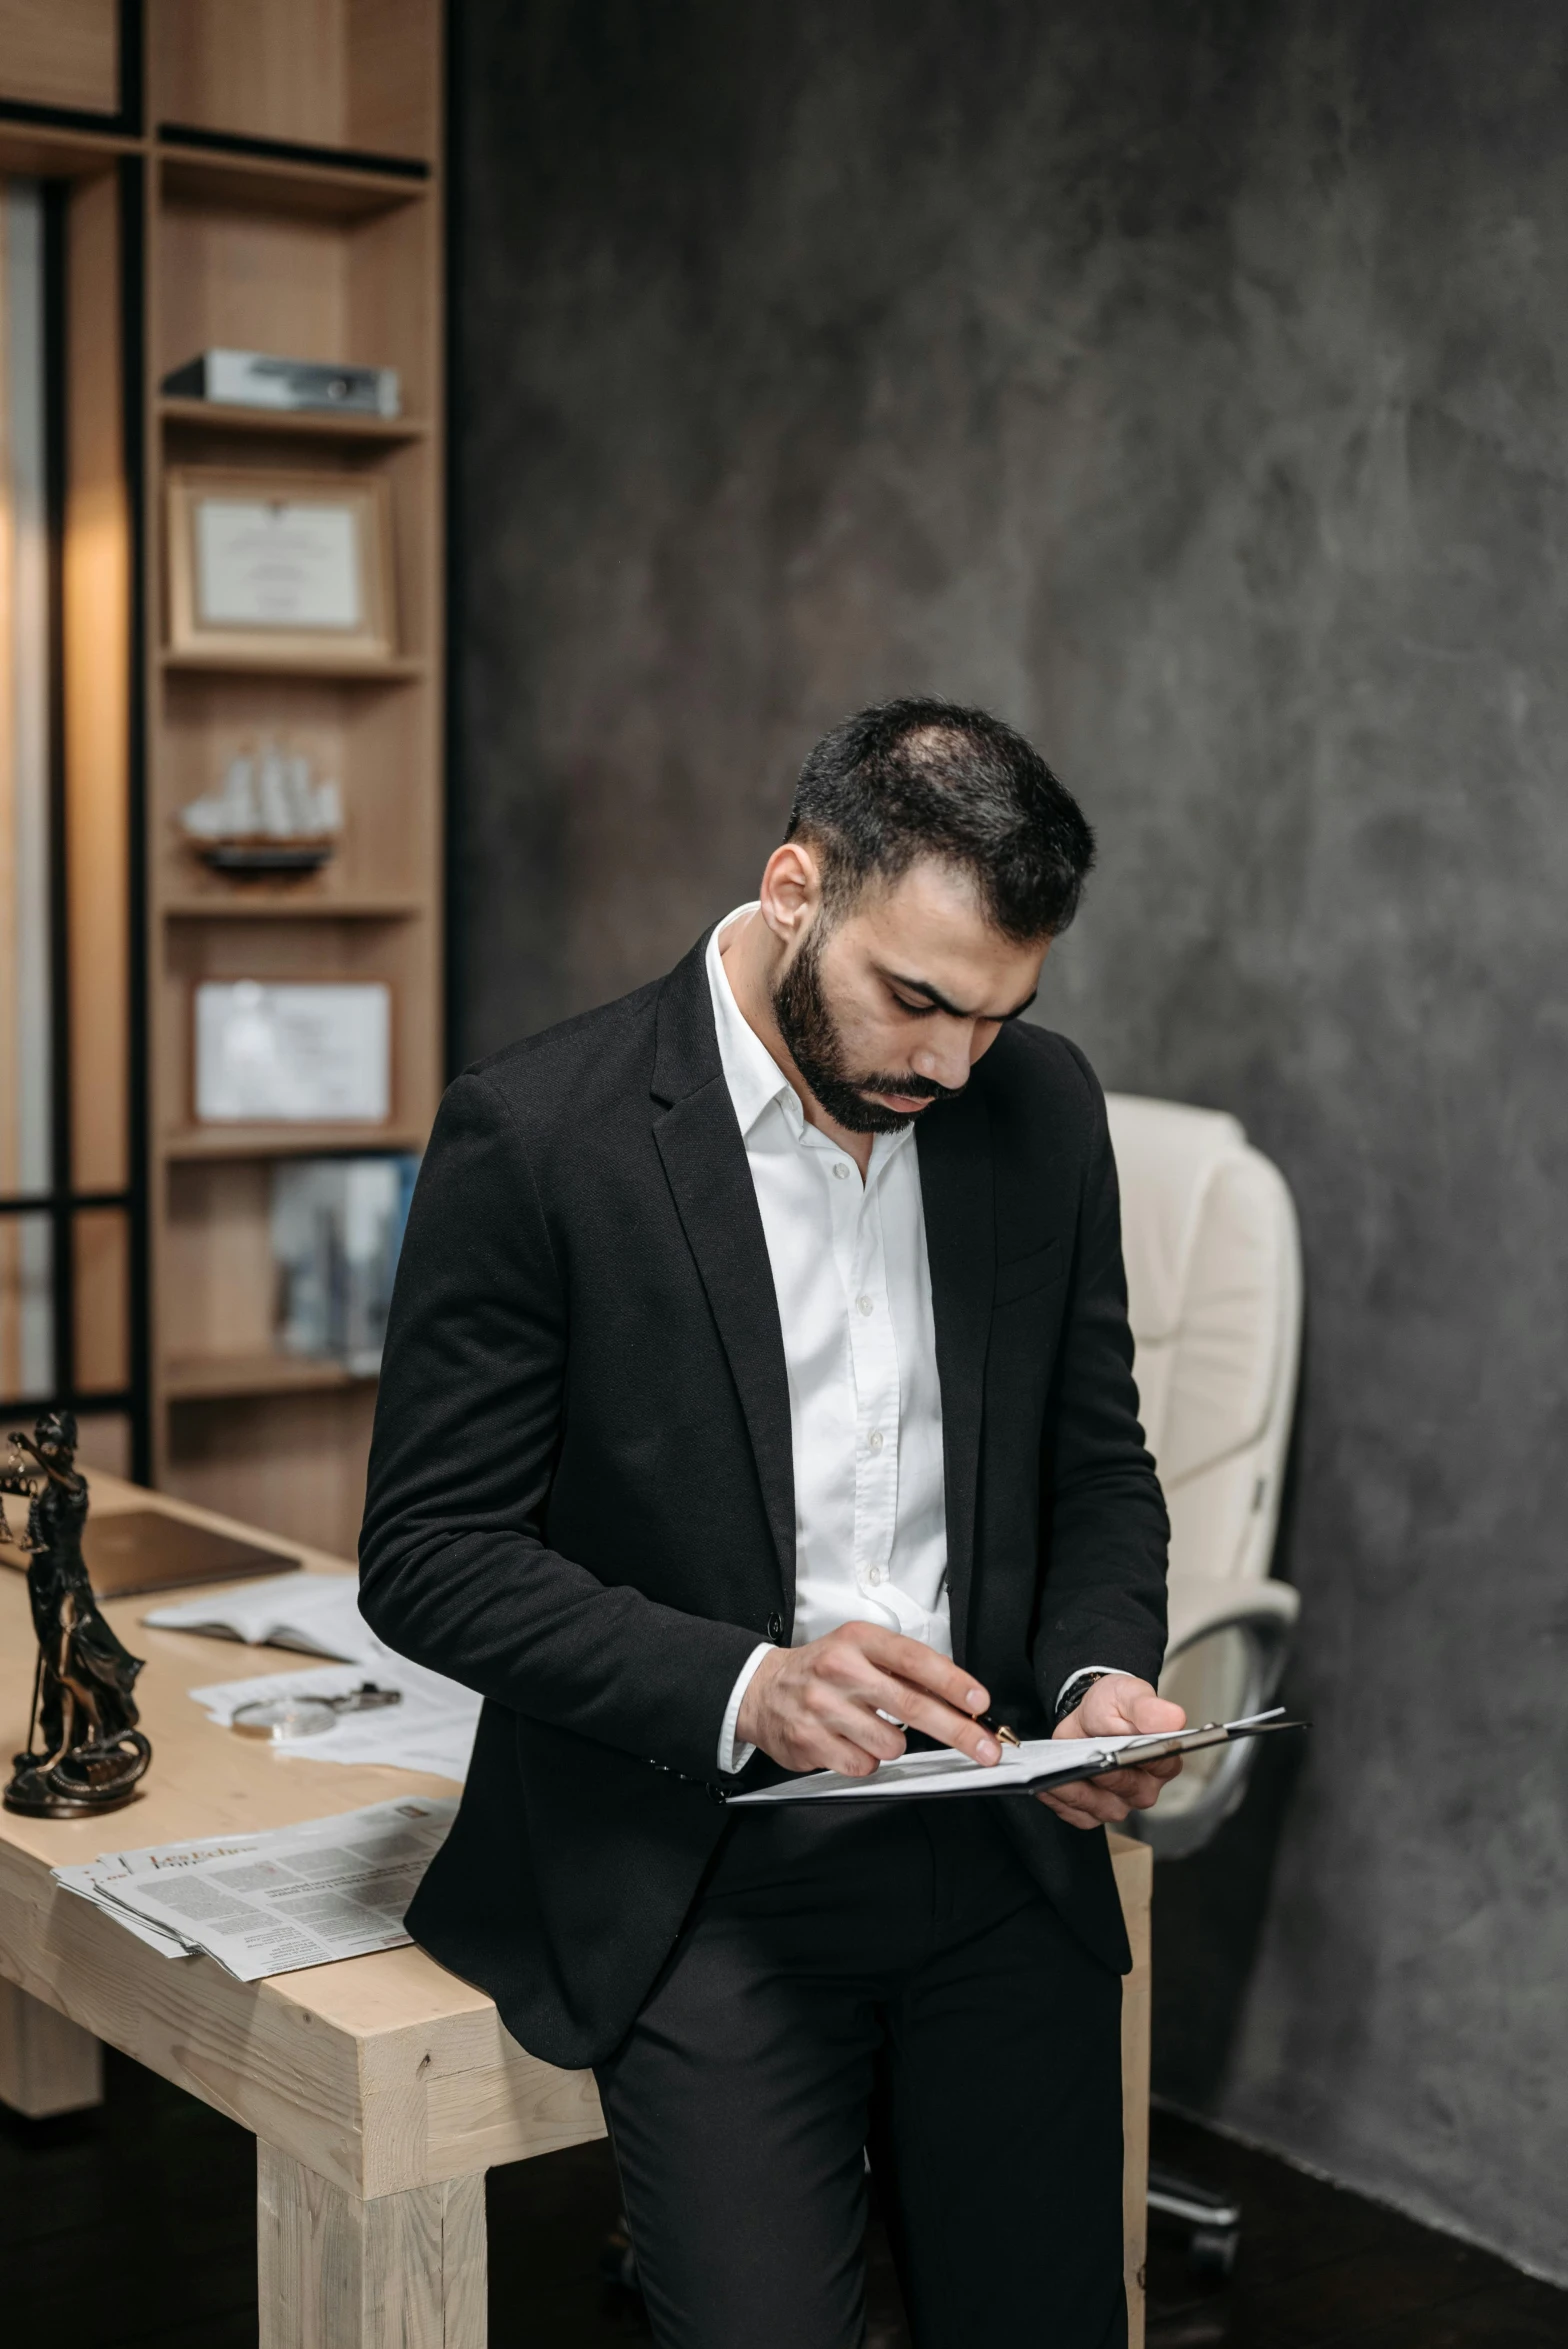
84 1750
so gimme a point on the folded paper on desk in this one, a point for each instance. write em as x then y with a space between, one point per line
280 1900
1024 1769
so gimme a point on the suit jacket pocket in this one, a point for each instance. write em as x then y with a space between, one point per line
1028 1274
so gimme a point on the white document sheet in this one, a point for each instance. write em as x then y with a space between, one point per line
287 1898
1023 1769
432 1729
276 563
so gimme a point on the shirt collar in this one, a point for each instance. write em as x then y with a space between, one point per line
753 1076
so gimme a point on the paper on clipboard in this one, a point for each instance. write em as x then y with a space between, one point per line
1025 1769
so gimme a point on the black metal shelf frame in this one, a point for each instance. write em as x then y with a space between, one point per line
62 1201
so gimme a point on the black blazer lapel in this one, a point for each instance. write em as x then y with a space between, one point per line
954 1142
705 1164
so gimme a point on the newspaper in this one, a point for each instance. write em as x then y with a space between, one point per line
279 1900
92 1881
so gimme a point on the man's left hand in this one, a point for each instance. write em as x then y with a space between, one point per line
1117 1706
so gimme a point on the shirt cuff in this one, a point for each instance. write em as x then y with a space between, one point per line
732 1757
1084 1672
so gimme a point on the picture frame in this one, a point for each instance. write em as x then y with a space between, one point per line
280 569
292 1052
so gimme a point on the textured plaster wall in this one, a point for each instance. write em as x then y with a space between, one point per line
1186 383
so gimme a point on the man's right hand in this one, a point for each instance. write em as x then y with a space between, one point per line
819 1707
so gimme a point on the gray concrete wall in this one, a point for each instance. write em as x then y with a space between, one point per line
1186 383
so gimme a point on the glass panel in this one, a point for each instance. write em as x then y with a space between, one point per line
95 619
26 1306
24 700
102 1300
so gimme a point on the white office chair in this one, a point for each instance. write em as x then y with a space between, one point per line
1214 1296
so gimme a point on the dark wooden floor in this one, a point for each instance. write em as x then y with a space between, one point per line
134 2226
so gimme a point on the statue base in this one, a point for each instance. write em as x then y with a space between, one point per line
86 1780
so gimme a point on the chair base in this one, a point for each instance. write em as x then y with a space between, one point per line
1213 2219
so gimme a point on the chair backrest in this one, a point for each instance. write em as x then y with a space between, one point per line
1214 1294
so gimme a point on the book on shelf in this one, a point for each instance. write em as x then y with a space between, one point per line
336 1229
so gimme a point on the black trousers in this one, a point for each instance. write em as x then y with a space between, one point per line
882 1978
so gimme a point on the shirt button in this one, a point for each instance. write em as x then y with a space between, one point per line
864 1303
841 1173
875 1441
875 1574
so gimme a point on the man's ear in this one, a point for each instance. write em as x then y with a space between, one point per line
791 891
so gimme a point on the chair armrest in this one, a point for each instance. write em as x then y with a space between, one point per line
1200 1608
1263 1614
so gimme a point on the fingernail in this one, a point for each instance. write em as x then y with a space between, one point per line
988 1750
975 1699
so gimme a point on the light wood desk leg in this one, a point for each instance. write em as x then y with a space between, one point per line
406 2271
1134 1864
47 2064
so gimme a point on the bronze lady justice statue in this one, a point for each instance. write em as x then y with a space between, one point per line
83 1715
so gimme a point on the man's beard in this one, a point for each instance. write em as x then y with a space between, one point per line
808 1027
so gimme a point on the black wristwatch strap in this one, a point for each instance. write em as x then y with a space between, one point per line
1074 1693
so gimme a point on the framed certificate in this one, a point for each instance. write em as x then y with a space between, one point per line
284 567
293 1053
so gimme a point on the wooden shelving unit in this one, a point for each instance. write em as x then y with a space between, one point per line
278 188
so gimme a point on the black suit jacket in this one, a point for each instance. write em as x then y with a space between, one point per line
581 1494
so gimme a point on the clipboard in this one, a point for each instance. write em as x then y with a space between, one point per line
1038 1764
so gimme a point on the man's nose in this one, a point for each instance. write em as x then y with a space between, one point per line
945 1061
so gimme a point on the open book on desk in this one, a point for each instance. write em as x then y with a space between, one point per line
1025 1769
318 1613
430 1729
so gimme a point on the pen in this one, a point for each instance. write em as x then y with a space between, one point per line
999 1730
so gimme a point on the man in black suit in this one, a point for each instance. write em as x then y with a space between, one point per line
758 1390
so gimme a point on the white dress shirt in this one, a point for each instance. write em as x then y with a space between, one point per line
853 1283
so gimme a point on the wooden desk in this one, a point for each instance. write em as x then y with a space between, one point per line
379 2090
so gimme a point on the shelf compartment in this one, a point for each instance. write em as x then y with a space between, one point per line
291 950
356 75
407 468
64 55
381 747
346 288
217 1338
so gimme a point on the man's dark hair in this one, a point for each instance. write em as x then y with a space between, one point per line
918 778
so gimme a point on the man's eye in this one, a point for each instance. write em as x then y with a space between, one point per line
922 1011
